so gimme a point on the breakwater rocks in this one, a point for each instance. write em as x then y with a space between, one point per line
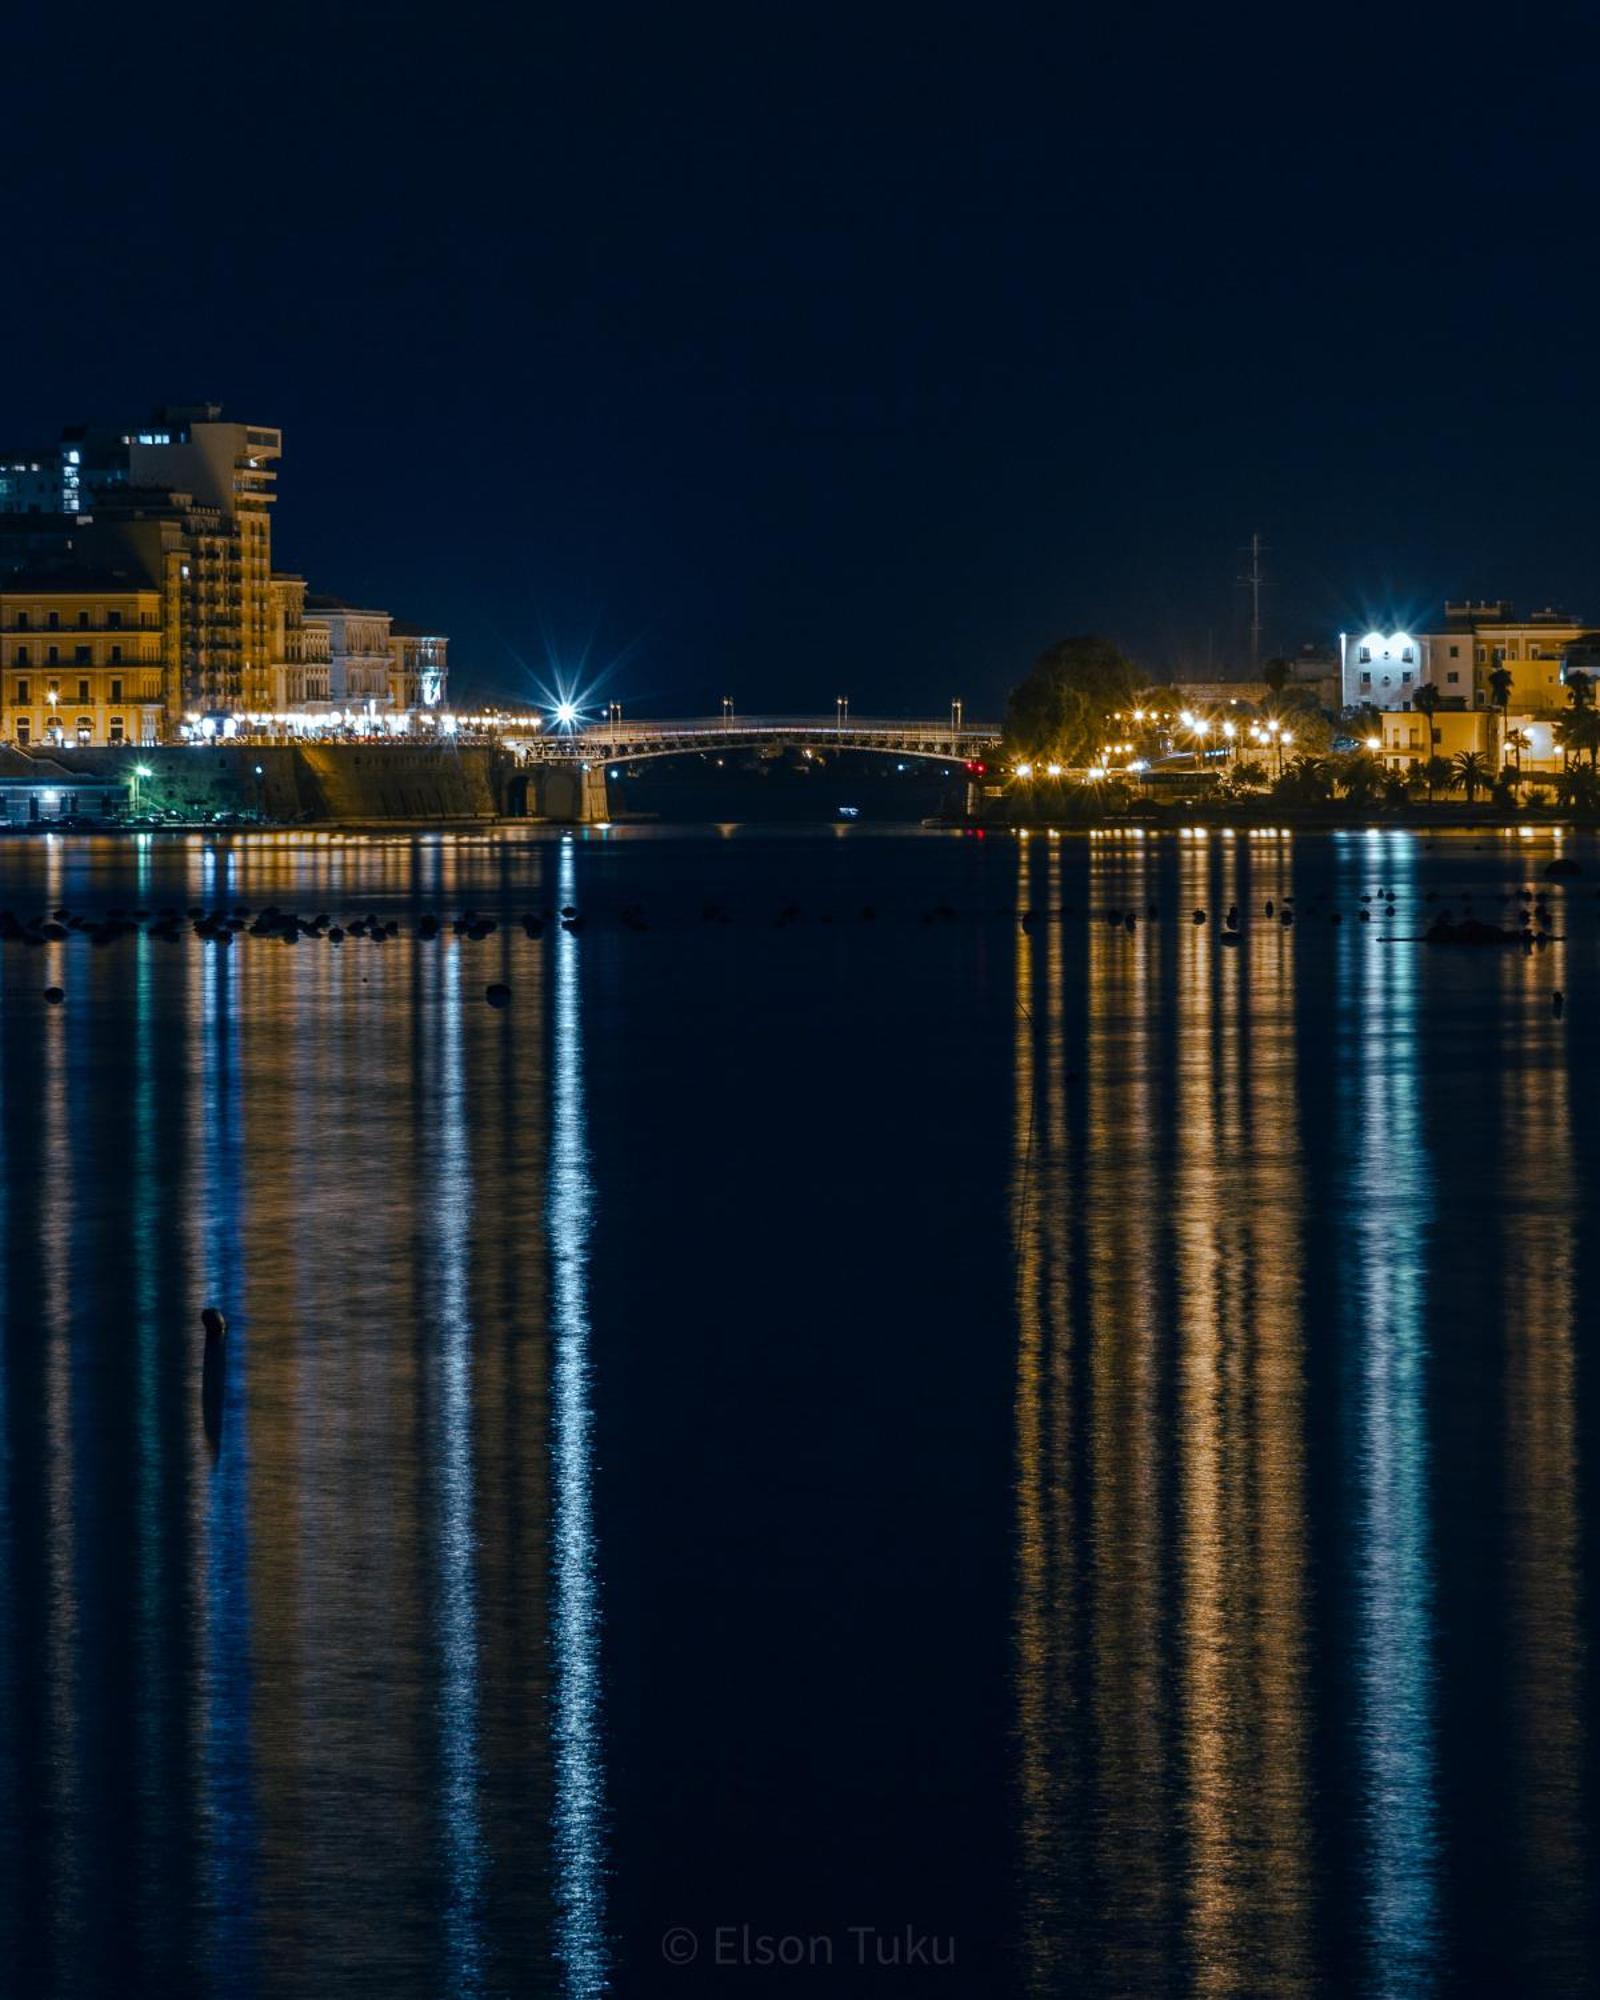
349 783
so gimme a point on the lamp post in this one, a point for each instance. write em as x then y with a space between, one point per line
53 728
140 772
841 709
727 709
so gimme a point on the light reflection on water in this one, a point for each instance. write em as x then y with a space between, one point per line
1257 1635
575 1609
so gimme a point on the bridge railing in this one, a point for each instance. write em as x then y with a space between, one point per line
862 732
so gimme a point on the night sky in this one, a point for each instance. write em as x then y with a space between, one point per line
824 350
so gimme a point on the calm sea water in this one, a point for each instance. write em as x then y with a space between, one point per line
810 1441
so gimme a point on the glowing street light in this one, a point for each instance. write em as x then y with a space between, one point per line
566 714
1053 770
1024 770
1374 742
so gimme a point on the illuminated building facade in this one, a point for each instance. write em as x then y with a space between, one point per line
1384 670
84 660
358 654
419 671
178 510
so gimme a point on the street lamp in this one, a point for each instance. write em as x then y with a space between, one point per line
727 708
841 706
140 772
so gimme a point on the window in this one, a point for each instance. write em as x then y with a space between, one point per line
1455 652
83 619
22 621
53 656
1406 678
53 620
1366 652
24 729
85 729
116 656
116 690
22 656
1452 676
81 656
1366 680
114 620
83 690
116 729
22 693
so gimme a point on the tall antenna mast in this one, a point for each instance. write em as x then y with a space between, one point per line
1253 580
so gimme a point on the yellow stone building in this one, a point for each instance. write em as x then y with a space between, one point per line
86 659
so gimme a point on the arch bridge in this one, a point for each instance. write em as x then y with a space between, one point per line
568 766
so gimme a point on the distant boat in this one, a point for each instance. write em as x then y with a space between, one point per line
849 812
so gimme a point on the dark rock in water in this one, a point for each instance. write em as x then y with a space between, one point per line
1562 865
1199 916
54 995
497 995
216 1326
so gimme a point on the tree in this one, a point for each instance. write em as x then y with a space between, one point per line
1579 730
1518 740
1248 775
1439 771
1307 782
1580 690
1470 770
1276 675
1062 709
1500 688
1361 776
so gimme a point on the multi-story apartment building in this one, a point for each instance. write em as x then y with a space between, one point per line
185 502
84 659
301 667
359 656
1460 660
179 510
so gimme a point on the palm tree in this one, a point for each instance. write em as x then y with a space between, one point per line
1361 776
1425 701
1500 689
1439 771
1470 769
1580 690
1579 730
1518 740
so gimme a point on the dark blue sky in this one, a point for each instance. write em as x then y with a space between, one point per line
797 352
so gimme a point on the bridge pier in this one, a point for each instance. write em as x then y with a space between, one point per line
570 793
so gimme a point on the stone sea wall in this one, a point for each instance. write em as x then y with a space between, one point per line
348 783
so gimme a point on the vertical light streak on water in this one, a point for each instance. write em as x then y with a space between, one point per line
1391 1215
1039 1858
227 1772
457 1550
57 1222
1540 1219
148 1641
575 1622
